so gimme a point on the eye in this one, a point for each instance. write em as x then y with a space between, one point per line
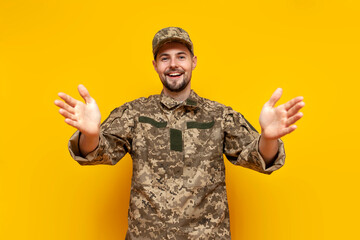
182 57
163 59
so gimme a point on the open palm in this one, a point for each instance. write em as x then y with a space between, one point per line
276 122
85 117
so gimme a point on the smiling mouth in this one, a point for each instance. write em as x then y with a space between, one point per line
174 75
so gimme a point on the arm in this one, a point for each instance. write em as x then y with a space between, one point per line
265 153
88 144
241 145
85 117
276 123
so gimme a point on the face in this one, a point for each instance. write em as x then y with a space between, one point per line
174 64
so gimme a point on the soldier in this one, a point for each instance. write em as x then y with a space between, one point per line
177 140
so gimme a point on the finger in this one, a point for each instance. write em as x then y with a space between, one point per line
84 93
72 123
294 118
296 108
66 114
68 99
290 129
275 97
63 105
292 102
287 130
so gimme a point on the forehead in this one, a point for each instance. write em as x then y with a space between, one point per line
173 48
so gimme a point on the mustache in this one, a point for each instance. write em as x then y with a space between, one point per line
177 70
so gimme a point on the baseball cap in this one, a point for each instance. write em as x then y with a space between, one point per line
171 34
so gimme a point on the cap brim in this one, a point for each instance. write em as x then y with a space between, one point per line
172 39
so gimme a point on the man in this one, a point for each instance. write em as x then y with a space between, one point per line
177 141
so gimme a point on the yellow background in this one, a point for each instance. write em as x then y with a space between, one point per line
246 49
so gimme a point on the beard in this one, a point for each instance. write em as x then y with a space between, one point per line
175 87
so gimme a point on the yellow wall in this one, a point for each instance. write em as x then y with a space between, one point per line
246 49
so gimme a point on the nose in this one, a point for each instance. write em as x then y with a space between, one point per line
173 63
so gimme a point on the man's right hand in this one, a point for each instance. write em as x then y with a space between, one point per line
85 117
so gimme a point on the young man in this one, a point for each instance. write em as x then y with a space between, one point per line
177 140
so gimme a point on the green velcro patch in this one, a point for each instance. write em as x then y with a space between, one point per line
191 102
176 142
200 125
153 122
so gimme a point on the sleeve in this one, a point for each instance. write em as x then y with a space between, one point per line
116 134
241 144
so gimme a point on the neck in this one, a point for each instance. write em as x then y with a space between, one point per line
179 96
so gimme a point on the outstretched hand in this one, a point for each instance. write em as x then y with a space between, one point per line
85 117
276 122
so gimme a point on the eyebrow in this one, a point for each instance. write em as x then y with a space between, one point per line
166 54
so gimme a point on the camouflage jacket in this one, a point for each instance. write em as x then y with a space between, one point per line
178 183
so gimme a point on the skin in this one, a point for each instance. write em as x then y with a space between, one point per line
175 58
174 65
277 122
85 117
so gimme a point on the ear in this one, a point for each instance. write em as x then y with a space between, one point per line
155 65
194 62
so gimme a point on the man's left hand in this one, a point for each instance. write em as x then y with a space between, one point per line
276 122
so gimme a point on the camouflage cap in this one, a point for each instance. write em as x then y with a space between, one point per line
171 34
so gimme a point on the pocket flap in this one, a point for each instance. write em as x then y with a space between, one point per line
200 125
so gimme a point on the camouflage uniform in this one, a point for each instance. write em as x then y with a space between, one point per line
178 183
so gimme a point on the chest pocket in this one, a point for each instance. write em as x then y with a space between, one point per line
150 150
155 137
203 154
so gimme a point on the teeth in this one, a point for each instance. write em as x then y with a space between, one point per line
174 74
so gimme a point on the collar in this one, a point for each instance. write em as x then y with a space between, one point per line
192 101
